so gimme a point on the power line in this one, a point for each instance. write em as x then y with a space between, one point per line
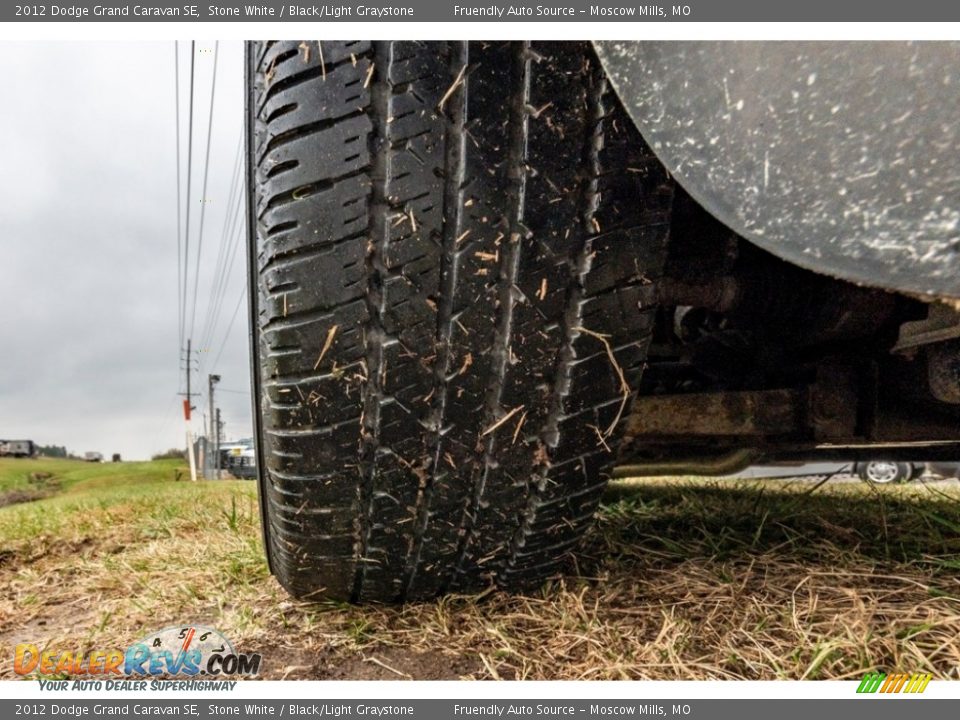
231 233
176 75
218 286
232 251
231 255
203 197
186 253
229 327
215 286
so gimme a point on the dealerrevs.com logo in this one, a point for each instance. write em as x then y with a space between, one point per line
190 650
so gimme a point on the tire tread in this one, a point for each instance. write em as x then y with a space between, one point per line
436 223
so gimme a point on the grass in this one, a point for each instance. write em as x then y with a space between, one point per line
680 579
18 474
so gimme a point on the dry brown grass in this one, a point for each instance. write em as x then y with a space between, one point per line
679 580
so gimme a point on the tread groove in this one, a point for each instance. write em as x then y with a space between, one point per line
507 276
550 434
454 171
379 234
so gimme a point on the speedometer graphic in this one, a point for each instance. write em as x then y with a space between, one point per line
178 650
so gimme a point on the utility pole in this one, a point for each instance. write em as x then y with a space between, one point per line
211 381
219 426
187 408
211 432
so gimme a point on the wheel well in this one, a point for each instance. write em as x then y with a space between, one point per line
752 352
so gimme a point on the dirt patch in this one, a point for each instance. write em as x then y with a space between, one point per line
39 485
290 661
21 495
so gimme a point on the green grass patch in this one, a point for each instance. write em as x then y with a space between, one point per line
679 579
20 472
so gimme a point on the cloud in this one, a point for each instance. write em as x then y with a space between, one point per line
88 243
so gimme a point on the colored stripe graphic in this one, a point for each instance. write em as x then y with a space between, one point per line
896 683
871 682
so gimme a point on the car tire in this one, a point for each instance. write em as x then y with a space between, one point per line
946 470
885 472
452 253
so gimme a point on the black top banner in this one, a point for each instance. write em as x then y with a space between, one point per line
577 11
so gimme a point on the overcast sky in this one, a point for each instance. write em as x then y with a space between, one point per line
88 244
